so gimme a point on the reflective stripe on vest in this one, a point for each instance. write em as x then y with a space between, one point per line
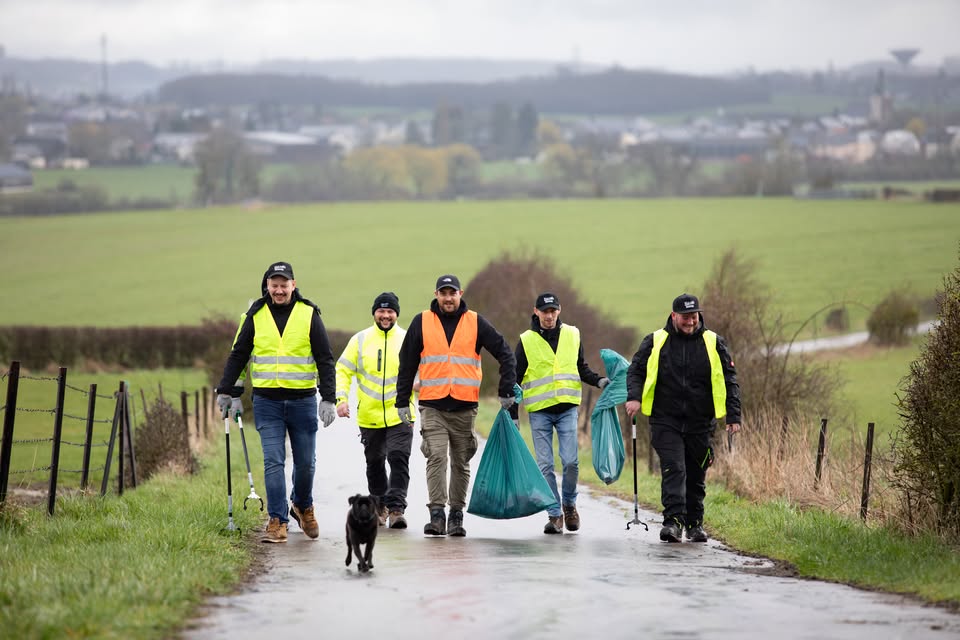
376 367
717 383
283 361
450 369
551 378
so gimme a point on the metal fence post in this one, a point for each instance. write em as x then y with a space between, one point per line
206 412
867 463
196 410
184 411
57 433
88 437
13 383
113 437
123 436
821 446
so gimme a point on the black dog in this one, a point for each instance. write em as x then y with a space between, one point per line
362 526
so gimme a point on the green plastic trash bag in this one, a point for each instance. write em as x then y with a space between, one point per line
606 438
508 483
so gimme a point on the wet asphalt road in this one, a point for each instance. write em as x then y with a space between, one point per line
507 579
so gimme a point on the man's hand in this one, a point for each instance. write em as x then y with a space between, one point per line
602 382
404 413
516 423
734 427
327 413
223 402
343 410
506 403
632 407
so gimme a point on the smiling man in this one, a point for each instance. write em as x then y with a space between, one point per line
283 340
682 377
443 344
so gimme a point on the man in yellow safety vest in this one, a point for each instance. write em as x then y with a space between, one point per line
282 338
550 367
683 378
372 357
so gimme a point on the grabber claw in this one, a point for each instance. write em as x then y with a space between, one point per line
253 494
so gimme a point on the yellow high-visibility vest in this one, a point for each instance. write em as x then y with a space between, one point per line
374 359
551 378
283 361
717 383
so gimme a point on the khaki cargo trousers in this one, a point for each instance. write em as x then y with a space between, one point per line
448 435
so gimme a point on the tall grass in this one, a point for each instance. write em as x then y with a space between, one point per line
136 566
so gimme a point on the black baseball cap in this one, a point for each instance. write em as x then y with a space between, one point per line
546 301
279 269
686 303
448 281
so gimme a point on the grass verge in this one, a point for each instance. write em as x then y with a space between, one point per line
818 544
136 566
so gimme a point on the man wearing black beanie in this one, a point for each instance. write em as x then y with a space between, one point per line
372 357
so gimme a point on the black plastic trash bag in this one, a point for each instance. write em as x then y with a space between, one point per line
508 483
606 438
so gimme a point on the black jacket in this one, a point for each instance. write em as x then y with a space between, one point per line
243 347
487 337
683 398
552 337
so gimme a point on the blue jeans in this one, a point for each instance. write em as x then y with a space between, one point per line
275 420
542 425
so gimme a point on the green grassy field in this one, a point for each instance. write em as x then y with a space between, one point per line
629 258
34 419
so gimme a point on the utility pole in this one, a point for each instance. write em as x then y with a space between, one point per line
105 88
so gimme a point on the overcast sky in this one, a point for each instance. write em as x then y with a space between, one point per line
698 36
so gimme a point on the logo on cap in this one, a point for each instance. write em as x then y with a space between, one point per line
447 280
689 304
279 267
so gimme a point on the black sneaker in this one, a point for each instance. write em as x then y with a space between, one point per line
438 523
696 534
671 531
456 524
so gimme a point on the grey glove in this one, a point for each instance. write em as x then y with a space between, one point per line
229 405
404 413
602 382
327 413
506 403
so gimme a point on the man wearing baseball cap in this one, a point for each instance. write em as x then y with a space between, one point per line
372 357
550 368
443 344
283 340
683 378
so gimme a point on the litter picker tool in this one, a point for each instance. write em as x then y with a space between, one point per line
253 494
636 500
231 527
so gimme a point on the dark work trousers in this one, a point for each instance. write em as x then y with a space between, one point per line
683 469
390 445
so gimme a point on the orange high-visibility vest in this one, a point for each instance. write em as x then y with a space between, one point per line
450 369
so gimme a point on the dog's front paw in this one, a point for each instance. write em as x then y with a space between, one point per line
363 568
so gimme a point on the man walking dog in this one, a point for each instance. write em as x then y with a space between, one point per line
284 341
372 356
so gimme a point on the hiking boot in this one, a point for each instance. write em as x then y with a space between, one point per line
438 523
382 515
554 524
306 520
671 531
696 534
455 527
397 521
276 531
570 517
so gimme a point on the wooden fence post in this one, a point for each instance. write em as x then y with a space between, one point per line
821 446
57 433
10 410
867 463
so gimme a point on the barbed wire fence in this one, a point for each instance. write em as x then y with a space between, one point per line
121 425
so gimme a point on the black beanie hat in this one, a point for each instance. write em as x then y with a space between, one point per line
386 300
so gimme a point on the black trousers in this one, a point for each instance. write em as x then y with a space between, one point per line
381 446
684 458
